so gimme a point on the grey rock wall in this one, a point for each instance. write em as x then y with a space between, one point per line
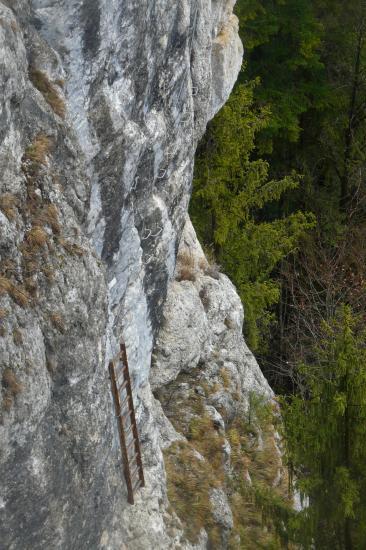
102 103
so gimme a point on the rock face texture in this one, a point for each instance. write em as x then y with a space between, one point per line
102 104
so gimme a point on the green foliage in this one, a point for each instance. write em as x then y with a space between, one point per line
262 509
326 438
230 189
283 38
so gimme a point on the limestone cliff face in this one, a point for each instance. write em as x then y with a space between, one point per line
102 104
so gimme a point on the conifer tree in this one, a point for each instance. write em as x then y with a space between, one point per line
326 439
282 40
230 188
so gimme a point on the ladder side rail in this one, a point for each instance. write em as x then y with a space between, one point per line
122 439
132 416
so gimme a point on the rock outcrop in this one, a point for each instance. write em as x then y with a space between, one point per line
102 106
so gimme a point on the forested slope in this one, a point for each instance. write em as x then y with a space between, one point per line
279 201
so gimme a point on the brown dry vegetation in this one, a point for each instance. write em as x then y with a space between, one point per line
41 81
208 442
37 151
3 313
37 237
48 215
190 481
5 286
60 82
48 272
7 267
186 267
20 280
71 248
40 248
58 321
186 274
31 286
256 507
225 376
11 388
8 205
203 264
18 293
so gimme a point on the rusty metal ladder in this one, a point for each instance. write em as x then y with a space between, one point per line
127 427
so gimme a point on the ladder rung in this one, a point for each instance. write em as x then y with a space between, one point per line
123 385
125 401
128 430
135 470
126 414
121 371
124 409
120 378
132 442
132 460
129 441
136 484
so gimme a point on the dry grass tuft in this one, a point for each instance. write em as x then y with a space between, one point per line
254 453
3 313
8 205
7 402
48 272
225 377
58 321
31 266
60 82
37 152
186 274
47 215
41 81
31 286
185 263
185 259
71 248
257 497
18 293
190 481
37 236
5 286
12 388
208 442
203 264
8 267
